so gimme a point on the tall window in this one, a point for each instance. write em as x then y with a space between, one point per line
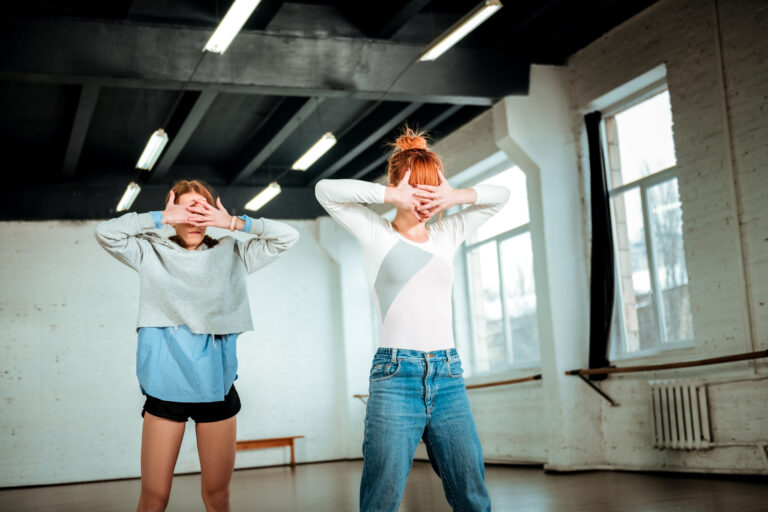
502 297
652 307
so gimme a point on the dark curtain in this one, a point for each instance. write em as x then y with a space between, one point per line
602 276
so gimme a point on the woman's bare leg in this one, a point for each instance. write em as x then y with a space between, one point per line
160 443
216 448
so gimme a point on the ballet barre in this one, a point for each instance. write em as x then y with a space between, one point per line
505 382
260 444
584 372
529 378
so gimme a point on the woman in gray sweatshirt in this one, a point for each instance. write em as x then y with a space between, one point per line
193 304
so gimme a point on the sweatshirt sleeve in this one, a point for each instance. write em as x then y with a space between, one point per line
490 200
271 239
342 198
118 237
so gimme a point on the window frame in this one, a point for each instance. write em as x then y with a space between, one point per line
618 350
498 239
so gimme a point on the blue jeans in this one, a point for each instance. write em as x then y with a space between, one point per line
420 395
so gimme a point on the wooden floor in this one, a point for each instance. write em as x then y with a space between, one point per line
333 487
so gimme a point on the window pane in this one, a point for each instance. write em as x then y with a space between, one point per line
490 346
645 139
640 329
665 214
520 298
514 213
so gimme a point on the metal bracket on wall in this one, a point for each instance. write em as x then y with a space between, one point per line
599 391
362 398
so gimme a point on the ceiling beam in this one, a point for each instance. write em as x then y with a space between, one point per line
128 55
89 94
584 27
519 27
180 130
378 162
265 11
118 9
281 123
401 14
383 19
380 121
65 201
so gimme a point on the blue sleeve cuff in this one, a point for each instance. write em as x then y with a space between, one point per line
247 227
158 218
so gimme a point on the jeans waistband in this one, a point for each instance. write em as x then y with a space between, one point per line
394 354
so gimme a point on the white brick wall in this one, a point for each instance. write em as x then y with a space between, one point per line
683 34
744 24
69 400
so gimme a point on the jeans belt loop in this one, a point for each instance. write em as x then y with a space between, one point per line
449 356
394 355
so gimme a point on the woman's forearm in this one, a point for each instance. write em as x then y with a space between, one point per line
335 192
464 196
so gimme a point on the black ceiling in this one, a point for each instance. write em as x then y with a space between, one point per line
84 83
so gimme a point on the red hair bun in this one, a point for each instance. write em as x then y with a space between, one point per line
410 151
410 140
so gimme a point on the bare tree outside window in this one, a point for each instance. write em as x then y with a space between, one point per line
653 304
502 295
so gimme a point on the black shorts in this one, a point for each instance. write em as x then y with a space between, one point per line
201 412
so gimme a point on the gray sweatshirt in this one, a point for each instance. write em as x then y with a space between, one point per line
203 289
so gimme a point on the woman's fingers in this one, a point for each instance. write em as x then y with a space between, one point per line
199 218
430 213
430 205
197 209
424 217
201 207
171 198
204 204
219 205
199 221
441 177
424 194
428 188
199 200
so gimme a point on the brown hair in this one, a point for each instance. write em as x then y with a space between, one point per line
182 187
411 152
186 186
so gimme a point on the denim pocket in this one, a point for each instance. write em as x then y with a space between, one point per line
384 370
455 369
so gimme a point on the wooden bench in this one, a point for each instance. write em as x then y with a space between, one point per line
259 444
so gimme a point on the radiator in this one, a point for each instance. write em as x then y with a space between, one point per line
680 415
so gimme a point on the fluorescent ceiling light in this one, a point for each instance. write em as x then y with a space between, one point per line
317 150
460 29
263 197
130 194
151 153
233 21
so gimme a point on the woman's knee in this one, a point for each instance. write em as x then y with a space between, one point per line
216 498
153 500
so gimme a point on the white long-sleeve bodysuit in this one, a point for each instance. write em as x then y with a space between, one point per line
410 282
